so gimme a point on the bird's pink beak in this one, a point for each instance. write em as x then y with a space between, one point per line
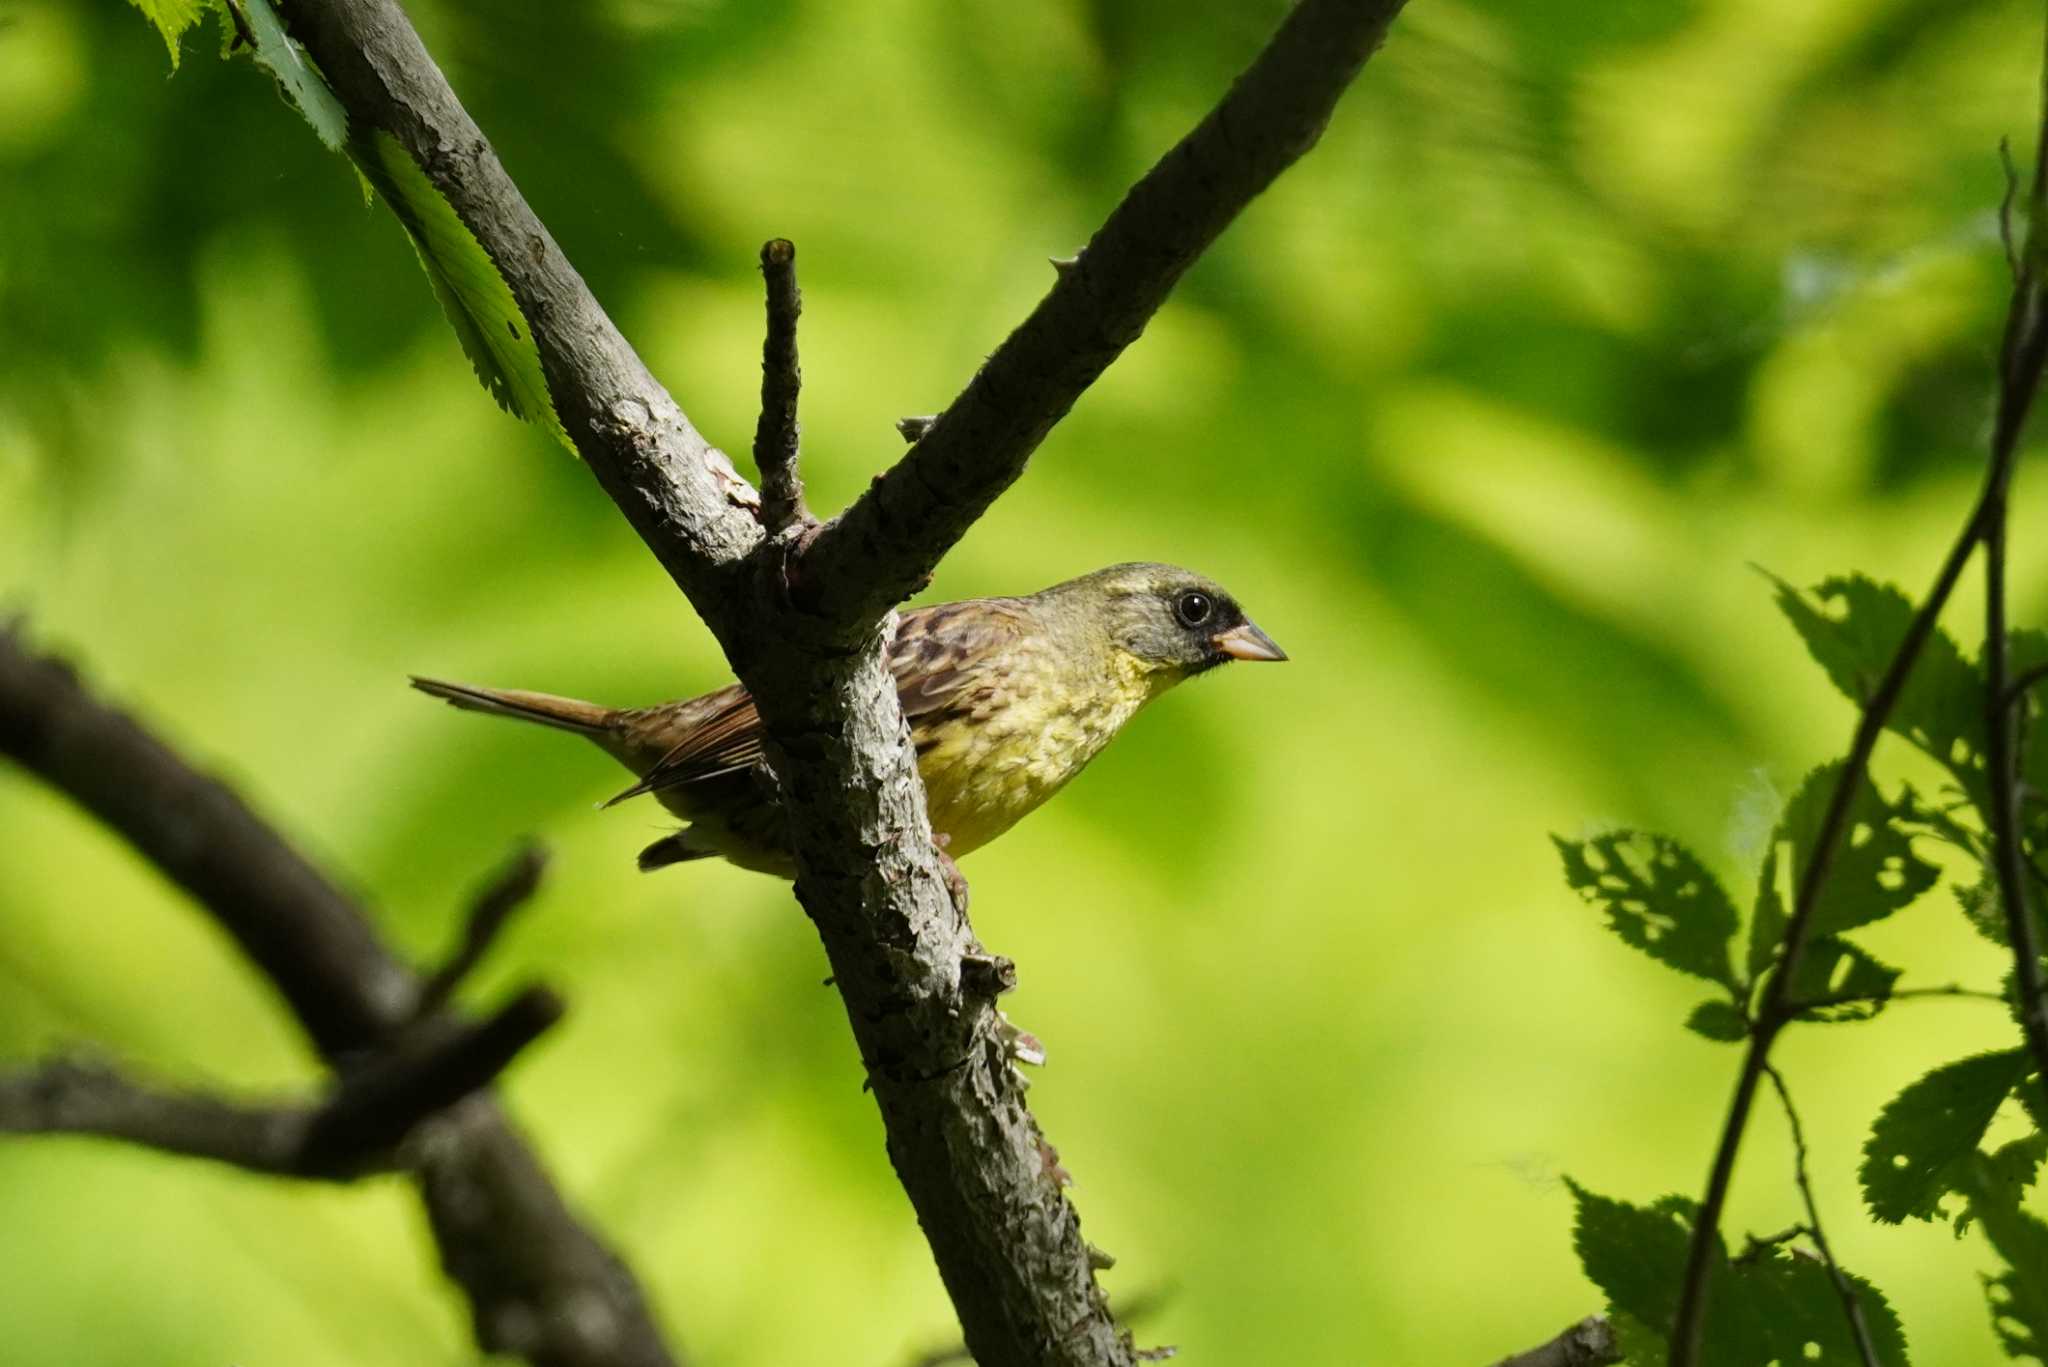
1246 642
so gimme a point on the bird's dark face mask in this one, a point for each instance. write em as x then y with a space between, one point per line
1193 626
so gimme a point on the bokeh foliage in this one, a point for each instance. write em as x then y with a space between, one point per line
1483 412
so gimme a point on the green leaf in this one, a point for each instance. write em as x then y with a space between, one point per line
1657 897
1874 872
1922 1145
303 87
2018 1295
2006 1172
172 18
1780 1307
1835 968
1853 630
1768 918
478 302
1719 1021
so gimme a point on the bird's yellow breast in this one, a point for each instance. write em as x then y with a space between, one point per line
985 768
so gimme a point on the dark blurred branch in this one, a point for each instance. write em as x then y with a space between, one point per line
382 1099
1589 1343
539 1284
2021 357
70 1096
508 890
353 1132
776 436
804 627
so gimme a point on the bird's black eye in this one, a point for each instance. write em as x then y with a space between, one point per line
1194 607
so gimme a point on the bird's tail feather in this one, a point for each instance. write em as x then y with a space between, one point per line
565 714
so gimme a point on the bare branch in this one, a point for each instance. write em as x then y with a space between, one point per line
352 1133
1852 1308
776 437
508 890
884 545
72 1096
1589 1343
538 1282
380 1102
289 918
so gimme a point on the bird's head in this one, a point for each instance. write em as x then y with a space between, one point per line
1172 622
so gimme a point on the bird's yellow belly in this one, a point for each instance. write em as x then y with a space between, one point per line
980 780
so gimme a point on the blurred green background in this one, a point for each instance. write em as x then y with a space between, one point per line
1483 412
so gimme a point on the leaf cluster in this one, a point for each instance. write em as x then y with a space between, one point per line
1927 1156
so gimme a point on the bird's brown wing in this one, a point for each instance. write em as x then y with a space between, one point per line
704 738
934 655
938 650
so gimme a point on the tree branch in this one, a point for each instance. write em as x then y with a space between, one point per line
539 1284
507 891
886 545
776 437
70 1096
804 631
2020 363
1852 1308
353 1132
1589 1343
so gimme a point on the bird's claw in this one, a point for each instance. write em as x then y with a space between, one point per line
1019 1043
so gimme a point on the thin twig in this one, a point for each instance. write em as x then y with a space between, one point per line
776 436
1810 1004
509 889
1852 1307
1589 1343
2025 344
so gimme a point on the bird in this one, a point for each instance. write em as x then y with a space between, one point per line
1007 700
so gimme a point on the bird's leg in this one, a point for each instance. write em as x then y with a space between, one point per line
956 881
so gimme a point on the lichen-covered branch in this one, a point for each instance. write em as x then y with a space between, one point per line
1589 1343
803 625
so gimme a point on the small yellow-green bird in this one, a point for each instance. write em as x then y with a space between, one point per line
1007 699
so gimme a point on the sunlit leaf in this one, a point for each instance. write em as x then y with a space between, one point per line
1874 871
2006 1172
172 18
303 87
478 302
1852 626
2018 1294
1768 918
1925 1139
1718 1021
1779 1306
1658 897
1850 984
